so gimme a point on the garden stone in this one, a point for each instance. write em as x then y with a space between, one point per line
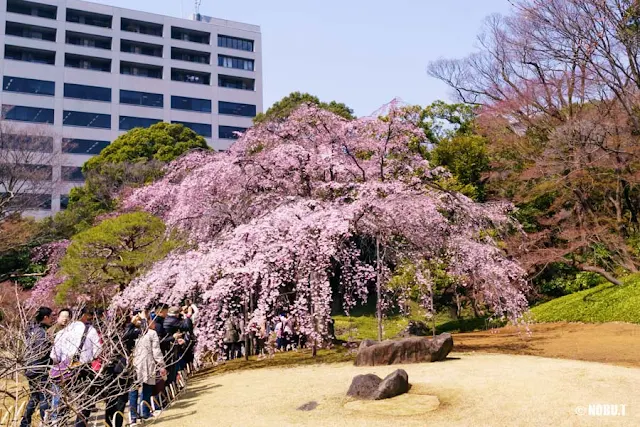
309 406
406 350
371 387
394 384
364 386
415 328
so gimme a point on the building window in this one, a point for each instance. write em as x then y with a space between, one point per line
140 70
228 132
30 31
30 201
34 172
141 48
87 62
141 98
128 123
133 26
64 201
88 18
27 114
190 35
190 55
29 55
90 120
94 93
36 87
32 9
191 104
72 174
190 76
236 82
88 40
83 146
199 128
235 43
236 109
35 143
233 62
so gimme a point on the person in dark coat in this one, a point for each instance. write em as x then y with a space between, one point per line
175 328
120 380
38 349
161 314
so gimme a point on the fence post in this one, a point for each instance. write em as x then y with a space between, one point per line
113 419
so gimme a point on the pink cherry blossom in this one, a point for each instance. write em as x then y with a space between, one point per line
287 217
45 288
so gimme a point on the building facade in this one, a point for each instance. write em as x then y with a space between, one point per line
85 73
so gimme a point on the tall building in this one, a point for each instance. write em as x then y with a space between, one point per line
85 73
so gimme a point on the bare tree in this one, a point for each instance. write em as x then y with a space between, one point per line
26 172
559 86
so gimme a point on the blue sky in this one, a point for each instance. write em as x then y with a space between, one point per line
362 53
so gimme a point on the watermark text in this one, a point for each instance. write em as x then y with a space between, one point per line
602 410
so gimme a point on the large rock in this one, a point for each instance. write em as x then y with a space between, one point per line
394 384
406 350
415 328
371 387
363 386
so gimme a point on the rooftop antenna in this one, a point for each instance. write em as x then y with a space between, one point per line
197 9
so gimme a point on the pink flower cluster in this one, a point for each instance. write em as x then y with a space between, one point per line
45 288
287 217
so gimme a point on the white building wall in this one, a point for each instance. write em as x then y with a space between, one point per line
116 81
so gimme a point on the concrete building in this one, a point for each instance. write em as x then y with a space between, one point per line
86 73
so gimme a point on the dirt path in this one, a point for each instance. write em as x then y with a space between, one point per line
473 389
614 343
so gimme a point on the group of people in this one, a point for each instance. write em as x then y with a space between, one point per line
73 363
278 335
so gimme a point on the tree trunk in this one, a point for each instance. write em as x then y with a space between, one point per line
601 271
314 348
433 314
378 291
247 344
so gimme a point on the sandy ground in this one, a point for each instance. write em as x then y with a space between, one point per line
474 390
615 343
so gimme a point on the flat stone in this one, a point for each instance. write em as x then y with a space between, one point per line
309 406
405 405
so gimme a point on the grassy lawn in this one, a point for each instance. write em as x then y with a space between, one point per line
603 303
362 324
